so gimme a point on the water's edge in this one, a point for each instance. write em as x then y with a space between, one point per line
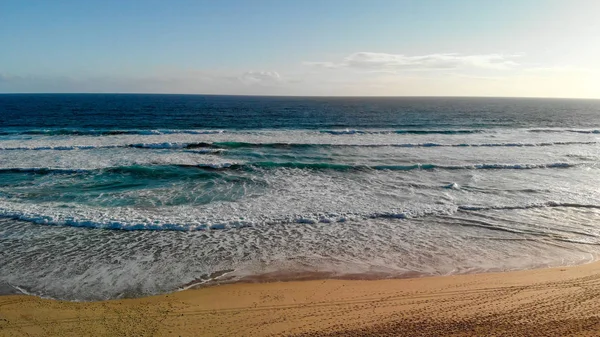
224 278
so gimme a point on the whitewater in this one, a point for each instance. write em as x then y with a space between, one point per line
92 210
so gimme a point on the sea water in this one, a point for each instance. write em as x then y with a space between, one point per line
109 196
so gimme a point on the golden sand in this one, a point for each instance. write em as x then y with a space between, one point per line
543 302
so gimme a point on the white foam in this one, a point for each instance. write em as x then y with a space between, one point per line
70 263
475 212
499 136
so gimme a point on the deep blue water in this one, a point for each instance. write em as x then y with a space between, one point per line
105 196
125 111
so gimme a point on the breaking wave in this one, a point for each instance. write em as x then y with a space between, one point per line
112 132
88 219
149 169
217 147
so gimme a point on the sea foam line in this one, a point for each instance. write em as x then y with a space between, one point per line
217 147
549 204
81 220
409 131
335 132
108 132
289 165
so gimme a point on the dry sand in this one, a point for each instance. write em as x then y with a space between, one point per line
543 302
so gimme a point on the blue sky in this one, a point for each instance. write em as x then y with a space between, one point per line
547 48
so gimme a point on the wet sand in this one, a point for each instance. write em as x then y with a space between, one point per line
544 302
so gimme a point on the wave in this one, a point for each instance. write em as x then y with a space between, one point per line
235 145
349 167
450 131
112 132
290 165
41 219
584 131
409 132
157 146
134 224
127 225
166 145
60 148
138 170
548 204
116 132
217 147
344 167
42 170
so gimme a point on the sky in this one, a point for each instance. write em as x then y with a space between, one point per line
519 48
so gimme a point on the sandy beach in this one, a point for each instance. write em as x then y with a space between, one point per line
542 302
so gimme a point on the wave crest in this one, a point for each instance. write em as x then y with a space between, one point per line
217 147
278 165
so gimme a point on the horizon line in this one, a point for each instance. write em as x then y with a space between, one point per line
294 96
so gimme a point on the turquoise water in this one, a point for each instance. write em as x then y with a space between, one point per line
107 196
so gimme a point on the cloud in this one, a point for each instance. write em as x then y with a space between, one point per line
397 62
260 77
560 69
5 78
463 80
162 81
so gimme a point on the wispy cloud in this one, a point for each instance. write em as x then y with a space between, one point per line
482 78
5 78
170 81
396 62
260 77
560 69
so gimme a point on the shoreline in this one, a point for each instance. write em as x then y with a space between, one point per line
221 278
539 302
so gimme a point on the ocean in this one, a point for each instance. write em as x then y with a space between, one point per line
111 196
